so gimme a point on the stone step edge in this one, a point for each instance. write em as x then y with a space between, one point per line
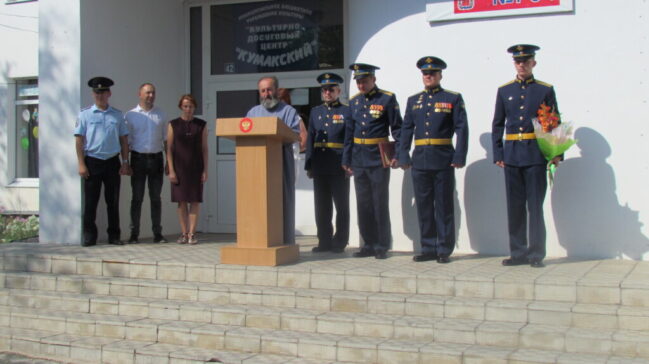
287 342
217 291
260 316
634 292
60 345
66 348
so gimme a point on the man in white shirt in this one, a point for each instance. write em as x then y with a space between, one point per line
147 126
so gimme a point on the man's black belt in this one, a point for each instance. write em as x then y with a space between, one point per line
147 155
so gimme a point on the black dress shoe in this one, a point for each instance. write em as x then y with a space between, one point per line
424 257
512 262
320 249
363 253
381 255
89 243
133 239
338 250
158 238
115 242
537 263
443 259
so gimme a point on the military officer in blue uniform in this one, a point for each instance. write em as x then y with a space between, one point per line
101 136
516 150
323 163
433 116
375 113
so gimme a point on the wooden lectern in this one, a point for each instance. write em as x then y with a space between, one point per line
259 191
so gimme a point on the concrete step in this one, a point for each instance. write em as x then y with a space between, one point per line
588 282
84 349
67 348
186 299
369 335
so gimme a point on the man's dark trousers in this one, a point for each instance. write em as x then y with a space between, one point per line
147 167
330 190
372 198
526 187
104 172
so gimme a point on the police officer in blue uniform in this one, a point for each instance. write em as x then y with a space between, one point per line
323 163
433 116
517 151
375 112
101 136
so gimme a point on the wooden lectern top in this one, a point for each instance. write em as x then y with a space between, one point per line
269 126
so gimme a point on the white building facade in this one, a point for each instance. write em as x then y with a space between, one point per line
595 53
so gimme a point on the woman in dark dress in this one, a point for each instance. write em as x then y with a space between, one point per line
187 160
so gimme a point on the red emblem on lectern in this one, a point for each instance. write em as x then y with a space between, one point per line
245 125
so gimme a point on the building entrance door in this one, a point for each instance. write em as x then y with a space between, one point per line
226 100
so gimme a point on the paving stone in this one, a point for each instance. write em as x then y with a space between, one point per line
501 334
278 297
280 343
425 305
456 331
346 301
357 281
182 292
386 303
177 333
293 279
359 349
531 356
195 312
248 340
90 266
443 353
543 337
63 265
485 354
465 308
216 295
299 320
38 263
263 318
121 351
143 270
209 336
113 268
396 351
229 315
261 276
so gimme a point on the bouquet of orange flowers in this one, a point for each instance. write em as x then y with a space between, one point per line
553 137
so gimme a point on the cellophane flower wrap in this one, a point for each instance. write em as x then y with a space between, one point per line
553 137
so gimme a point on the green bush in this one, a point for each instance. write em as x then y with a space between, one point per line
14 228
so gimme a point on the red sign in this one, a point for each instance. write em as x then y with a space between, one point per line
475 6
245 125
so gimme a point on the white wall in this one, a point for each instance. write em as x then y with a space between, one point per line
18 59
133 42
597 59
60 192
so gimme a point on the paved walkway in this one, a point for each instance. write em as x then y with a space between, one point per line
467 267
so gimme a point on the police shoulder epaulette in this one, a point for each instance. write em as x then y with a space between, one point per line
344 104
386 92
508 83
85 108
543 83
356 95
451 92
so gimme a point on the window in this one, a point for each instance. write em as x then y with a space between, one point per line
26 129
277 36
